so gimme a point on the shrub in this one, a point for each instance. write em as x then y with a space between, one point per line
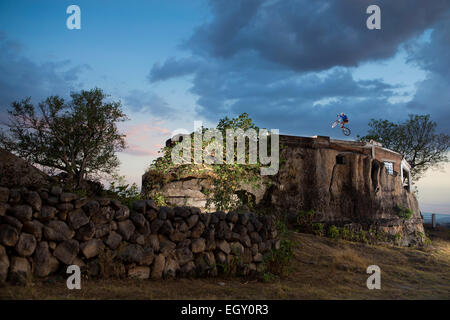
404 213
318 229
159 199
122 191
277 261
333 232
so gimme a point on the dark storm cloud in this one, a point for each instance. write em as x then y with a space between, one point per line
148 102
433 93
287 63
172 68
21 78
305 35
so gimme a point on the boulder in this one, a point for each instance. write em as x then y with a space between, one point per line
67 251
197 230
166 247
192 221
92 248
3 208
171 267
102 230
184 255
23 212
80 202
104 201
86 232
4 265
102 215
91 207
131 253
67 197
13 222
8 235
153 241
158 266
122 213
19 270
64 208
139 206
147 257
140 222
26 245
139 272
258 257
125 228
188 269
43 261
58 231
47 213
237 249
4 194
113 240
34 227
224 246
198 245
34 200
155 225
56 191
77 218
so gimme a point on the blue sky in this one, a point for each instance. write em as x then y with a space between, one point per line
291 65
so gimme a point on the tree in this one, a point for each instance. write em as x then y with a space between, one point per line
79 137
416 139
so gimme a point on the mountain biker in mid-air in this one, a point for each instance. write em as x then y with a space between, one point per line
344 119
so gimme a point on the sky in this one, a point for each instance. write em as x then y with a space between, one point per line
291 65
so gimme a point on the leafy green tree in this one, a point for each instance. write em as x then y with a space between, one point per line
79 137
416 139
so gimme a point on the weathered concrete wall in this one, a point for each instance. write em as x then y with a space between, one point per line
358 193
42 231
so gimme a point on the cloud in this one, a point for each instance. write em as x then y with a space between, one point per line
433 94
20 77
289 63
304 35
148 102
172 67
137 150
144 139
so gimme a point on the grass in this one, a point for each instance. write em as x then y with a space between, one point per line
322 269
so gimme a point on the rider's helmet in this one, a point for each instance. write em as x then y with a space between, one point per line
342 114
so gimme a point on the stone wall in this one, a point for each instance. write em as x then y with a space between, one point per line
42 231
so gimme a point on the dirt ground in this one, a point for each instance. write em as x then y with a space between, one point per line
322 269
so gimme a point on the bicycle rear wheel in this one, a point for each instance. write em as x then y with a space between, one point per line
346 131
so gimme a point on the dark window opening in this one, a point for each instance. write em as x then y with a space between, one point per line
340 159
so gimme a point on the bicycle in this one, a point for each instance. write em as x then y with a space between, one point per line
346 131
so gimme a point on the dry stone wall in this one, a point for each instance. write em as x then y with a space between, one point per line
43 231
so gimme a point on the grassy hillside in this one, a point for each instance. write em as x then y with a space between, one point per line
322 269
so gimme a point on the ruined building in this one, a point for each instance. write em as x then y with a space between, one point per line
358 185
